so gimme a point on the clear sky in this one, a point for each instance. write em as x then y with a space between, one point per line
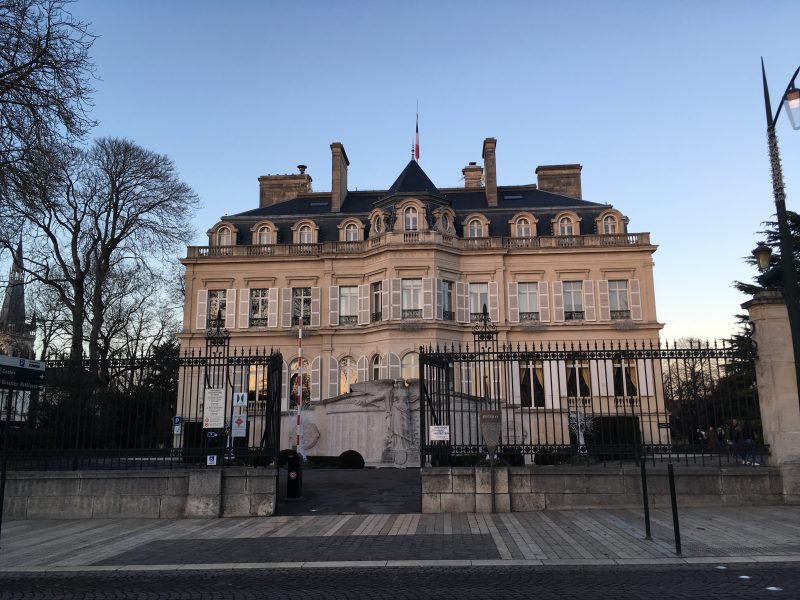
661 102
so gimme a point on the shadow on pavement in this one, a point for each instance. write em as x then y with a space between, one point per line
353 491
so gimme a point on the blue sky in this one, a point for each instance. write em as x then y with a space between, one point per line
661 103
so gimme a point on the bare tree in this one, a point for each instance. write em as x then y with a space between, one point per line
93 214
45 82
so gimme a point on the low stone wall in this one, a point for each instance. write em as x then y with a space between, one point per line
519 489
151 494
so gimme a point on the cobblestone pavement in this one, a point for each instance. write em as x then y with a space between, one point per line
743 581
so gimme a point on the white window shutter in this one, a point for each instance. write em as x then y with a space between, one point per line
333 305
427 298
589 313
462 310
316 305
602 376
202 309
544 301
333 377
244 308
396 300
558 301
285 388
315 380
395 367
230 309
605 307
363 304
272 309
286 307
636 300
439 299
513 302
363 368
494 302
645 377
385 300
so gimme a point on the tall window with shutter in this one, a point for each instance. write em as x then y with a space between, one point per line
411 298
478 298
301 305
376 301
573 300
348 374
348 305
217 304
447 300
618 299
528 295
259 307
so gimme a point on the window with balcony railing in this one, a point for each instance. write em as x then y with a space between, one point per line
412 313
475 317
618 299
259 321
573 315
348 320
377 316
620 314
529 316
448 315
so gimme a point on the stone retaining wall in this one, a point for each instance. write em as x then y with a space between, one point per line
521 489
150 494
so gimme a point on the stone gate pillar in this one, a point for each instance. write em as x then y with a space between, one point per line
777 387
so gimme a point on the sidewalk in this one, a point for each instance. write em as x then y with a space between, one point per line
596 537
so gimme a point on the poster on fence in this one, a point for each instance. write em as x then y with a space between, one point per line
213 408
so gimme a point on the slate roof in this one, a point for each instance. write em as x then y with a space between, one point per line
413 181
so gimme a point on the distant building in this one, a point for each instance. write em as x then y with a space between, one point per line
375 274
17 334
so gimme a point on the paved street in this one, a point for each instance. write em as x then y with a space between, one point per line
740 581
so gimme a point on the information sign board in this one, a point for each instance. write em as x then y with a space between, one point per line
491 424
213 408
439 433
21 373
240 399
239 425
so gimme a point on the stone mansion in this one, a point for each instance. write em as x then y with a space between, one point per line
375 274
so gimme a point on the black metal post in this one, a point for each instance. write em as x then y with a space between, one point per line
675 524
790 292
645 501
3 469
491 476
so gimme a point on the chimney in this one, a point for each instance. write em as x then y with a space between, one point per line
560 179
473 175
489 162
339 164
277 188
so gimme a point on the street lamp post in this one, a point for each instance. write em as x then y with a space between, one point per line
791 99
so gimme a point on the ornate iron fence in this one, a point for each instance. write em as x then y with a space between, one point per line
152 412
590 402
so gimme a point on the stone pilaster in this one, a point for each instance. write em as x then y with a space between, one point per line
777 387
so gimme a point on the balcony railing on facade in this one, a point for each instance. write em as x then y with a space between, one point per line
422 237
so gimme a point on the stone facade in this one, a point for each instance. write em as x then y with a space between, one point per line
377 274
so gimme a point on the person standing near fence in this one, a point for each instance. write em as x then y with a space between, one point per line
748 444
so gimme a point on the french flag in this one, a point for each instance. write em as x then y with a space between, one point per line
416 140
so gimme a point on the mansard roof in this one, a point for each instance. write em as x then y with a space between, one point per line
412 181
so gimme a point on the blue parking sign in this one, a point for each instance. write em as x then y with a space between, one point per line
177 421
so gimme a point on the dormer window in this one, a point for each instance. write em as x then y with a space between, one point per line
410 219
565 226
224 237
305 235
609 225
475 228
264 236
351 232
523 228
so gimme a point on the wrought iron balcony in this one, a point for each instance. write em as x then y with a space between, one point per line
573 315
377 316
412 313
448 315
620 314
529 316
259 321
348 320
